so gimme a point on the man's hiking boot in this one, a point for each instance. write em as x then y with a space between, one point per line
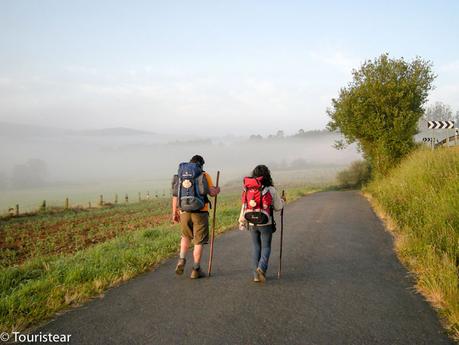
180 266
197 273
261 275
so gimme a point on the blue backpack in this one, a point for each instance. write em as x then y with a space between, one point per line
191 187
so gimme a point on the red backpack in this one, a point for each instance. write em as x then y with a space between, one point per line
257 201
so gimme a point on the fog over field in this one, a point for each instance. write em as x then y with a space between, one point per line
44 162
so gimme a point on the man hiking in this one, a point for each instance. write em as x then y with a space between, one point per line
190 207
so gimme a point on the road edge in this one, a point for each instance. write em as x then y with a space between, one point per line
398 239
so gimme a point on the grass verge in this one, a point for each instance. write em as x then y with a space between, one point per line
419 201
43 284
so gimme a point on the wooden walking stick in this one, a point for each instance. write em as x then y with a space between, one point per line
281 238
213 229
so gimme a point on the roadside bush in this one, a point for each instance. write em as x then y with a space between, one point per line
355 176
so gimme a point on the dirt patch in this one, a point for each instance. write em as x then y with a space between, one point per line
20 241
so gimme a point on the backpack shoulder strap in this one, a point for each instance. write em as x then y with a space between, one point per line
261 197
265 190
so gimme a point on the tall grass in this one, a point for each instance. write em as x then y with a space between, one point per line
421 198
42 285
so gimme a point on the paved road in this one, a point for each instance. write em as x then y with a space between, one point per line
342 284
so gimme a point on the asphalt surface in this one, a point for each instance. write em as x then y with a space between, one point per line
341 284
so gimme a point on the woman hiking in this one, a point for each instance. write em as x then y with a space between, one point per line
259 201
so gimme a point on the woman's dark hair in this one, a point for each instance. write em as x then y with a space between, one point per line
197 159
263 170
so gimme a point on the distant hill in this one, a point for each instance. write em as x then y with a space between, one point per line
20 130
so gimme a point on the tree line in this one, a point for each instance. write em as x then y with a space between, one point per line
300 134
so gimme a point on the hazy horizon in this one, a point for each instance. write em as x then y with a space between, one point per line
54 165
171 133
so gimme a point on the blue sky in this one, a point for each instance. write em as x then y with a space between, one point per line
219 67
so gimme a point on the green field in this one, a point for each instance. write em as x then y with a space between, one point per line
420 200
56 259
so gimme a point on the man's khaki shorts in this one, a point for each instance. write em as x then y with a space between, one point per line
195 226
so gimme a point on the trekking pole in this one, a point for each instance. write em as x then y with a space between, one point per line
213 230
281 238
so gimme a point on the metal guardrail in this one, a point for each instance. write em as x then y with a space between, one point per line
450 141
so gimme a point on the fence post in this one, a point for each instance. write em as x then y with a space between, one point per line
116 198
43 206
126 198
89 204
66 203
17 209
101 200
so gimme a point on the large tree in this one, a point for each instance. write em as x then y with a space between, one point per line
381 106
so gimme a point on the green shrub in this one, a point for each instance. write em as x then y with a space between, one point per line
355 176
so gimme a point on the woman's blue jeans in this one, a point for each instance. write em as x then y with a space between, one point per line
261 239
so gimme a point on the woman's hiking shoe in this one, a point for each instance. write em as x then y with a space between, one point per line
261 275
196 273
180 266
256 278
